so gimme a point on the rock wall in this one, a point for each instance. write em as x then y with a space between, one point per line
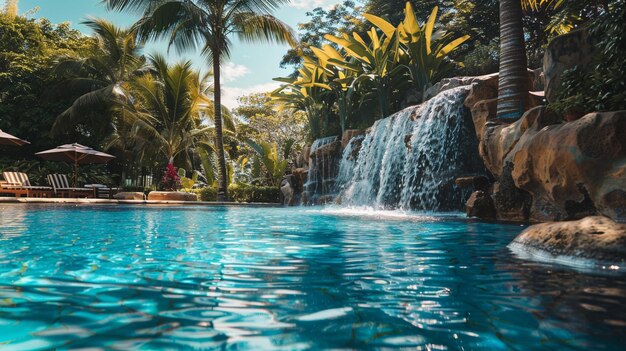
547 169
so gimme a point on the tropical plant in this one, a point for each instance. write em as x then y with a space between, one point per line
513 82
376 65
270 160
28 49
168 108
10 8
100 78
425 50
171 179
305 94
567 14
209 23
341 82
341 18
188 183
601 85
264 120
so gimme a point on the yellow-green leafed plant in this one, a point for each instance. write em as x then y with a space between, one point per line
375 64
341 82
187 183
424 51
268 157
309 93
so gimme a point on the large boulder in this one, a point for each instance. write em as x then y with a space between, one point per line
566 51
597 238
480 204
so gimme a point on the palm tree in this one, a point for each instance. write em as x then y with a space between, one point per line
208 24
167 108
100 78
513 83
10 8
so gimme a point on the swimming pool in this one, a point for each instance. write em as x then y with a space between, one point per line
202 278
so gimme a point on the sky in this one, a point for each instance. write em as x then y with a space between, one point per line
251 66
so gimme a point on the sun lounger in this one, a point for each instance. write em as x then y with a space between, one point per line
61 187
16 190
19 184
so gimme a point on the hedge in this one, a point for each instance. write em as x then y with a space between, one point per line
244 193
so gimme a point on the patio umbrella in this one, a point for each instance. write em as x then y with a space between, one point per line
8 139
76 154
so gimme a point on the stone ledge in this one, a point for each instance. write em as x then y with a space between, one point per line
87 202
172 196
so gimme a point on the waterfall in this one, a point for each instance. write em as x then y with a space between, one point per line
410 159
323 163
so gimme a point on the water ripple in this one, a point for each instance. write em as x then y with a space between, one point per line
195 278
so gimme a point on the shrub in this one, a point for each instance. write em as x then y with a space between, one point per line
602 87
207 194
171 179
243 193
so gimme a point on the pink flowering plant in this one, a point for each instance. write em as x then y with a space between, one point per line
171 180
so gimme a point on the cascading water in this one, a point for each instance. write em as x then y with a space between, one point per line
411 159
323 163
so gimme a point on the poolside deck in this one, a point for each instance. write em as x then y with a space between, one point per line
25 200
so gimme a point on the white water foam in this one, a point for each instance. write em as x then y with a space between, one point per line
585 265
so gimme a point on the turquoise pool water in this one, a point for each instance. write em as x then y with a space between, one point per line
199 278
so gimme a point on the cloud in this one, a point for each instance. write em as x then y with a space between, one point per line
232 71
311 4
230 94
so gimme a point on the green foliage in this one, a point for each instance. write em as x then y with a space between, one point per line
167 110
244 193
341 18
187 183
265 121
425 51
251 193
601 87
98 79
269 158
28 49
208 194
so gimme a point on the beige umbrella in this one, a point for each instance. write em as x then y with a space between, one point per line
76 154
8 139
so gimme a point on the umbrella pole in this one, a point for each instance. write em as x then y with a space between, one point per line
75 172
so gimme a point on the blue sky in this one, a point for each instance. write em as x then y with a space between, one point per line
251 67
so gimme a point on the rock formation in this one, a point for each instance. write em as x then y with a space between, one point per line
549 169
597 238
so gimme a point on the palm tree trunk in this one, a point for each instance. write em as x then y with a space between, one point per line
513 84
222 190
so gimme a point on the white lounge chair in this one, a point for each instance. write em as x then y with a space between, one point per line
18 182
61 187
